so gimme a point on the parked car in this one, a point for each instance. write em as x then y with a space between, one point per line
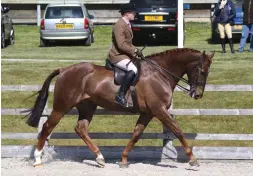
236 27
7 29
155 20
66 22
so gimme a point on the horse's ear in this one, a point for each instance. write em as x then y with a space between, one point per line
211 55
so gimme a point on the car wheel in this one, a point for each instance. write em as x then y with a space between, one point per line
92 37
3 44
88 41
43 43
12 37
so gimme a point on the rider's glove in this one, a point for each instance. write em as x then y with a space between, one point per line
138 52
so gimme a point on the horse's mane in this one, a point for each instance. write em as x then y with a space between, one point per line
172 51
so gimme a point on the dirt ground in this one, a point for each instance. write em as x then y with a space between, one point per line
23 167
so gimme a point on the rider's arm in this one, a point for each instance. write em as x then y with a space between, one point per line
122 45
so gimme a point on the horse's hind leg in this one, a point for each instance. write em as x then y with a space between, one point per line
171 124
48 127
86 110
141 124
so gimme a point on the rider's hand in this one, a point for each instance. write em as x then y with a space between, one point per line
223 3
138 52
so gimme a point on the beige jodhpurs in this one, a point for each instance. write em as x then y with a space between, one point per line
225 27
123 65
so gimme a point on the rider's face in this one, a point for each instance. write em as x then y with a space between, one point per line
130 15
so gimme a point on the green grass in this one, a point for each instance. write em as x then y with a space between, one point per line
27 44
211 100
189 124
226 69
31 73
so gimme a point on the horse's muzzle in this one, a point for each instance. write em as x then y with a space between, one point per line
194 94
197 97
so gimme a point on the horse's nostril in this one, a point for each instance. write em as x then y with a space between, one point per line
197 96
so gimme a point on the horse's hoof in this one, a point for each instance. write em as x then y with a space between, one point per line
194 162
123 166
37 165
101 162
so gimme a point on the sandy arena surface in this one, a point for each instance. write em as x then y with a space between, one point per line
23 167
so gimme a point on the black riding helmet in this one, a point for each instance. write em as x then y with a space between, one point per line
127 8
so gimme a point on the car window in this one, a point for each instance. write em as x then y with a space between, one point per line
154 3
64 12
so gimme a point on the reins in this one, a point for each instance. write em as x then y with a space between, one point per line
158 68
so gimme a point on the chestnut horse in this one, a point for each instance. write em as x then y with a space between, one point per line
86 86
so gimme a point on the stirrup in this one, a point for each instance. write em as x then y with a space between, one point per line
120 100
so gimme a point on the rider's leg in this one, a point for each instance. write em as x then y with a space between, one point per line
120 96
128 78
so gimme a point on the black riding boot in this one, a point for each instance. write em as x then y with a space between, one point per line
223 45
120 96
231 45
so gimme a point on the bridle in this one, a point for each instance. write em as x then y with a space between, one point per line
198 72
196 80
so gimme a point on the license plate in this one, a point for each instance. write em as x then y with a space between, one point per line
64 26
153 18
238 27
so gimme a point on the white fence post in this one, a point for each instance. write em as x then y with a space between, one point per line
180 24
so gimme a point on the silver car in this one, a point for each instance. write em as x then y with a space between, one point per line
66 22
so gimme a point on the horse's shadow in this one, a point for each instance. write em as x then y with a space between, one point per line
52 154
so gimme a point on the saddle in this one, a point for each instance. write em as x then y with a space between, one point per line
119 73
131 97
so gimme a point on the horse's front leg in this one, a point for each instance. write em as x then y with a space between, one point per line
141 124
164 116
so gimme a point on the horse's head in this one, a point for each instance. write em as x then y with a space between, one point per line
197 73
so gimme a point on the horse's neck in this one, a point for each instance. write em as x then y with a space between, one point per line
176 63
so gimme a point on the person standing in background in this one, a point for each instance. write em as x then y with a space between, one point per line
247 8
225 14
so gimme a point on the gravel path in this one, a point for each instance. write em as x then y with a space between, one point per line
23 167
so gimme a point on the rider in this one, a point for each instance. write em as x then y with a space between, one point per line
122 50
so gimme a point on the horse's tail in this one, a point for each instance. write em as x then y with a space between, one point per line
40 103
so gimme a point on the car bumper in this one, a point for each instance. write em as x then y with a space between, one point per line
153 25
164 31
64 35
